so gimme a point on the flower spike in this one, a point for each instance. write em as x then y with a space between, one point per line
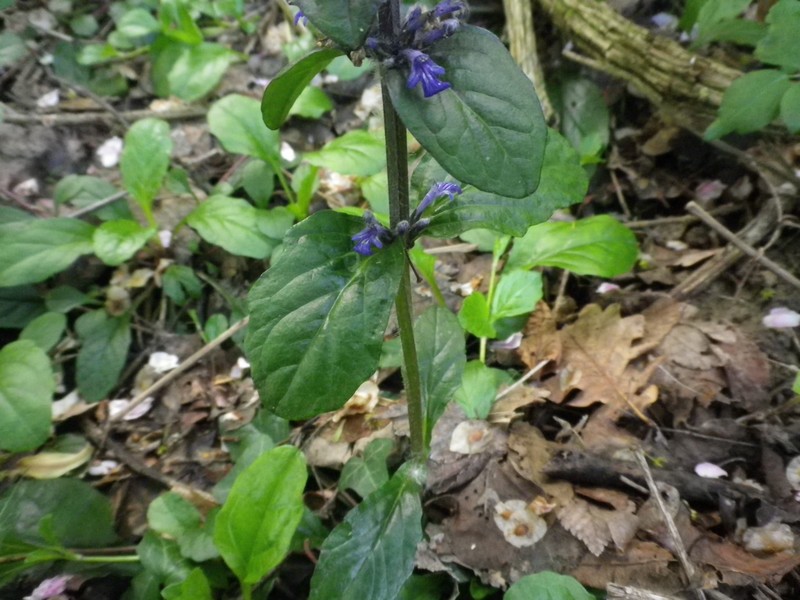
373 235
437 190
426 72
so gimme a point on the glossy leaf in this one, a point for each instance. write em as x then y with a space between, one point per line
488 129
563 182
366 474
236 121
547 585
346 22
232 224
194 587
750 103
162 558
599 246
45 330
781 45
517 293
26 393
33 250
145 160
371 553
255 526
286 86
318 315
357 152
117 241
440 350
104 349
475 317
790 108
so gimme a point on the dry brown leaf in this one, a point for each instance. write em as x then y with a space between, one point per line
529 452
738 566
505 409
540 340
644 564
596 527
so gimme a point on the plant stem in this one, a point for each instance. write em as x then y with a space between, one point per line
399 209
247 591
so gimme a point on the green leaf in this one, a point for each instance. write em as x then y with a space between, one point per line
790 108
737 31
691 10
258 180
714 11
319 307
750 103
171 515
162 558
547 585
117 241
236 121
796 384
137 23
64 298
84 25
346 22
563 182
104 348
366 474
26 392
583 115
274 223
145 160
34 250
80 191
19 306
177 22
440 350
180 284
45 330
79 516
286 87
357 152
194 587
371 553
479 389
12 48
265 505
781 45
375 190
231 223
599 246
474 316
189 72
312 103
517 294
488 129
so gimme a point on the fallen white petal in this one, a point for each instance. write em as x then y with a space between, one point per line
710 470
287 152
165 237
109 152
606 288
161 362
101 468
49 588
781 318
115 407
60 407
49 100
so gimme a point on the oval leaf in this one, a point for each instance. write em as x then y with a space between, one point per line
117 241
318 316
105 341
547 585
233 224
236 121
371 553
255 526
346 22
145 160
599 246
516 294
26 392
286 87
790 108
488 129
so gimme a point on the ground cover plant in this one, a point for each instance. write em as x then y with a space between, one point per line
309 300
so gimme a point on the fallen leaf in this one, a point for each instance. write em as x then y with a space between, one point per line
597 527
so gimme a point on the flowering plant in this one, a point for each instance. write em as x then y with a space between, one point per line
319 314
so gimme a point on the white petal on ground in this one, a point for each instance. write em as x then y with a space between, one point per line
109 152
115 407
49 100
781 318
161 362
710 470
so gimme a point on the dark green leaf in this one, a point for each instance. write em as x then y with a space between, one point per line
440 350
357 152
79 515
189 72
117 241
583 115
265 505
64 298
790 108
36 249
488 129
12 48
346 22
599 246
80 191
318 308
286 87
162 558
180 284
750 103
45 330
371 553
474 316
171 515
194 587
84 25
366 474
547 585
232 224
104 348
563 182
18 306
145 159
236 121
737 31
26 392
517 293
781 45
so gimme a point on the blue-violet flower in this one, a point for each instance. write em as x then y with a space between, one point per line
426 72
449 7
373 234
300 15
445 29
414 21
437 190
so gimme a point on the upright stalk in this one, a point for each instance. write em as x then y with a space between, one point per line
399 210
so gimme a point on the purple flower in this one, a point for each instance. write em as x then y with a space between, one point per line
414 21
300 15
448 7
437 190
445 29
373 234
49 588
781 318
425 71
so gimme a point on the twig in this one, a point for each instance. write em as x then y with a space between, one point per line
722 210
680 549
706 218
180 369
620 195
97 205
90 94
65 119
521 380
